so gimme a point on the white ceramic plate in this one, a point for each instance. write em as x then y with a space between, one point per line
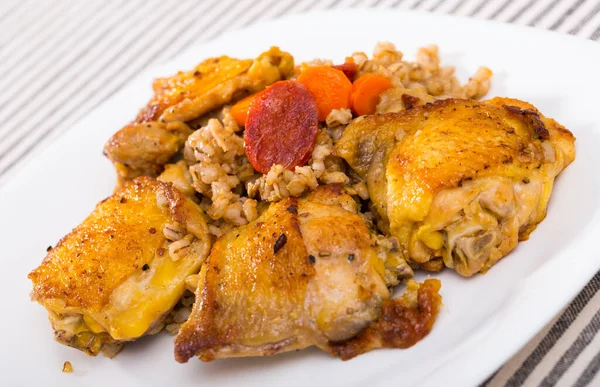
484 320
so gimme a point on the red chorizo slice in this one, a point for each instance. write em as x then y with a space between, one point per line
349 68
281 127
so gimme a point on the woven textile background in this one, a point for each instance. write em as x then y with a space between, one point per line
60 59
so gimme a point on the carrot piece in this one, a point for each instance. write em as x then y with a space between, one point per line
239 111
365 93
330 88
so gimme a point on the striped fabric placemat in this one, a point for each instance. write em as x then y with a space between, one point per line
61 58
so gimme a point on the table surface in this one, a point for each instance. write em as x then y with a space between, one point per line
49 49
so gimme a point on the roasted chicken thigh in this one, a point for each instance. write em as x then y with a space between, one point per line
305 273
144 146
458 182
116 276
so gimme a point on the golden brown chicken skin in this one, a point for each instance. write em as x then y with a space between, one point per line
213 83
305 273
403 322
117 274
143 149
160 130
459 182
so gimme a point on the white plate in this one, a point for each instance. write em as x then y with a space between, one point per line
484 320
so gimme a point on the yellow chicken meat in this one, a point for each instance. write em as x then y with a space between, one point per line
116 276
458 182
159 131
305 273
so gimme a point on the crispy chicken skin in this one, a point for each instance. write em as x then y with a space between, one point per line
306 272
459 182
112 279
403 322
143 149
159 131
213 83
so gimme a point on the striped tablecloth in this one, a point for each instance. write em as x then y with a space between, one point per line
59 59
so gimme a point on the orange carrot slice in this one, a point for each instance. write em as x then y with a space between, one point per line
239 111
365 93
330 88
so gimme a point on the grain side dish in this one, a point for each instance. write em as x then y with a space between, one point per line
265 206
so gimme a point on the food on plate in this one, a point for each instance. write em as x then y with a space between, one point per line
349 68
330 88
366 91
402 323
239 111
281 127
264 206
67 367
118 274
458 182
306 272
145 148
151 140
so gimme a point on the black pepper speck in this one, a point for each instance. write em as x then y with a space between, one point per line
279 243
